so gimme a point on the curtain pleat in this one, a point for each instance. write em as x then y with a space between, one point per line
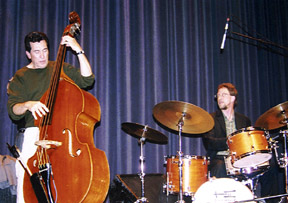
145 52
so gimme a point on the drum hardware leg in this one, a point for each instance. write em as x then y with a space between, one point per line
208 175
253 182
142 174
285 132
249 183
180 154
273 144
193 197
168 186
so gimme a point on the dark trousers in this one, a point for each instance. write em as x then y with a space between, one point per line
217 167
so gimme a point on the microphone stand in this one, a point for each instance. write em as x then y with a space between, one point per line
251 38
270 49
260 40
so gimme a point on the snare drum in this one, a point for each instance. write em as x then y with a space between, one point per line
245 173
194 174
248 147
222 190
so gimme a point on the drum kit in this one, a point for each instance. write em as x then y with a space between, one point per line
250 151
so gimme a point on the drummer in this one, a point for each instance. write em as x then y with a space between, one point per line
227 121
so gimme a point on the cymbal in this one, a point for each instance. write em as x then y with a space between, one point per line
274 118
196 120
151 135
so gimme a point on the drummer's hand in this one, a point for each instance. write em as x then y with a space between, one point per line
71 42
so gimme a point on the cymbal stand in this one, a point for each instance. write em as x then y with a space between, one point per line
282 162
285 133
142 174
180 155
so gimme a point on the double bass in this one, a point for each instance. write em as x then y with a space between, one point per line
77 170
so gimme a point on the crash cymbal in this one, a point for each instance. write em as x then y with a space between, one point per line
151 135
196 120
274 118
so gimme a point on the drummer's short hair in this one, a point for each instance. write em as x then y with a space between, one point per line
232 90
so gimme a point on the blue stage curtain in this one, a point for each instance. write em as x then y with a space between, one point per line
144 52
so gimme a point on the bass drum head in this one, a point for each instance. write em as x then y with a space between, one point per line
222 190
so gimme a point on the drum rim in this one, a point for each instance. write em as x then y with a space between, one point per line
247 129
268 151
185 156
172 192
245 172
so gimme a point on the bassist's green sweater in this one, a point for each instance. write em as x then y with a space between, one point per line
30 85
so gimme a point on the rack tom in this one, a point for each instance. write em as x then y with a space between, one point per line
245 173
248 147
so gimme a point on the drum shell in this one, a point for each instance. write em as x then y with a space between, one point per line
248 142
222 190
245 173
194 174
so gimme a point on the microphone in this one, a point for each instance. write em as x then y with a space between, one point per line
224 36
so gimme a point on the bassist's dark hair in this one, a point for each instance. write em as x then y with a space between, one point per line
35 37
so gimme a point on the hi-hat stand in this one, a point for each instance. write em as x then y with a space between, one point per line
144 133
142 174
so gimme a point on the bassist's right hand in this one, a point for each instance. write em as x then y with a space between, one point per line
37 108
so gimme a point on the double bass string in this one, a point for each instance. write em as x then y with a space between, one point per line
41 154
50 99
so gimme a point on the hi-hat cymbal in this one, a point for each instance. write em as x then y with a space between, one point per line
274 118
196 120
151 135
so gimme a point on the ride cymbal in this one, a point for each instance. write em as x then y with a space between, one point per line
274 118
196 120
139 131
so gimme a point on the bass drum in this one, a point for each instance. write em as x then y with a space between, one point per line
222 190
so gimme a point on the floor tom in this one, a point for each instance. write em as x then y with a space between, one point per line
194 174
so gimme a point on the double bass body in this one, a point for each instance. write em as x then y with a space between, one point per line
80 172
